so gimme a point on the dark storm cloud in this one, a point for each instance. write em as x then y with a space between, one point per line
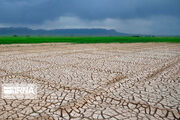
38 11
132 16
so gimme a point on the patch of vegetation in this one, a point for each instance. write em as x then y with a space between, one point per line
55 39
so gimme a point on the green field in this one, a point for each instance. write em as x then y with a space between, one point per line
44 39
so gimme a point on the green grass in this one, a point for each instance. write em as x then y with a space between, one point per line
54 39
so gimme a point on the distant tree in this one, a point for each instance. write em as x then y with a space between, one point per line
15 35
136 36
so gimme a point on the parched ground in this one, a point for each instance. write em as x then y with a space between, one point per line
93 81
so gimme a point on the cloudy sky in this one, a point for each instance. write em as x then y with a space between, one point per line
158 17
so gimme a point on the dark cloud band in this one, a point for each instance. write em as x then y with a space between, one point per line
34 12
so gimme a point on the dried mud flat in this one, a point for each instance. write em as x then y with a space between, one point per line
93 81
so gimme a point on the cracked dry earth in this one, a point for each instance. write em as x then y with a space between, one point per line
93 81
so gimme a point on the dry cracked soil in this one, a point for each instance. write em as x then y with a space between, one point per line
137 81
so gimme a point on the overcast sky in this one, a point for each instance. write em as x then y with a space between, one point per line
159 17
